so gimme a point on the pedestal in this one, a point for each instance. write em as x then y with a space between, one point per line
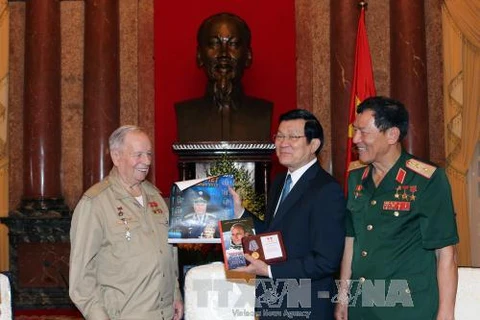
197 156
39 259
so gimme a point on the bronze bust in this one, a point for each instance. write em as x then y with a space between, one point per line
224 113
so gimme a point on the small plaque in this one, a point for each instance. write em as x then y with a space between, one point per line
265 246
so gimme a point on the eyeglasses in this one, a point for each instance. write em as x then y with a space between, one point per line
282 137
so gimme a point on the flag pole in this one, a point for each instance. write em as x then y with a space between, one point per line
363 4
363 85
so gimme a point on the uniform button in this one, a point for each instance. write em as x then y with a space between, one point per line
369 227
361 279
364 253
407 291
396 213
373 202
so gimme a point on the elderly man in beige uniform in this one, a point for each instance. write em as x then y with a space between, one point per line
121 266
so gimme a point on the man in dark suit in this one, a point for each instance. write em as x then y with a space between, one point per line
309 211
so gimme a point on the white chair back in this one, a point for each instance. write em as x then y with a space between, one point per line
467 305
209 295
5 298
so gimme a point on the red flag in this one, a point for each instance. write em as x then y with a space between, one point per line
363 85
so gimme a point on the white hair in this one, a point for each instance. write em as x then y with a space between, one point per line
115 142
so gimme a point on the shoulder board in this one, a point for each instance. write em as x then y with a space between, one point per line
188 216
96 189
211 215
356 165
421 168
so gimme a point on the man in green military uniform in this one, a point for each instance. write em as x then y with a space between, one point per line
401 231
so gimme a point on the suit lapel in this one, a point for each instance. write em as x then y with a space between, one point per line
295 193
275 193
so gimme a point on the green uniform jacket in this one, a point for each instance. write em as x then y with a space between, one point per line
121 266
396 228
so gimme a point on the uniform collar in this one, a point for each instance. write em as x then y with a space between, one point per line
117 187
391 180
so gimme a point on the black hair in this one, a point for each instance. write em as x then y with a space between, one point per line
388 113
244 29
312 130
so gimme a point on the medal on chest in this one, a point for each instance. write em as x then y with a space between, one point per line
124 221
154 206
359 187
358 191
402 192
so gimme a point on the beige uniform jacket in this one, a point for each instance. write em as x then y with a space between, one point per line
121 266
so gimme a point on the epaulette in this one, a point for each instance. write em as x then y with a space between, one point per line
421 168
188 216
355 165
96 189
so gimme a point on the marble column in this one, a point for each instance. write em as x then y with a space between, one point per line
344 19
408 70
101 87
42 107
4 38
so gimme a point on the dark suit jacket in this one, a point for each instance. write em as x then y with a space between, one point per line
311 220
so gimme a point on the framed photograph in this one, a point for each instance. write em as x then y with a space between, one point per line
231 233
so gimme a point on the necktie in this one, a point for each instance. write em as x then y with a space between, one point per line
286 188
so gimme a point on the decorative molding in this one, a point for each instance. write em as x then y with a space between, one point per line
223 145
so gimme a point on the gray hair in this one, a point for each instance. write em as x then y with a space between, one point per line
115 142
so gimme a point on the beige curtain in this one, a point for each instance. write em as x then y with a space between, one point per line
461 45
3 131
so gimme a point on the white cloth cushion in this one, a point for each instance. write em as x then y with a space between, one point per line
467 305
209 295
5 298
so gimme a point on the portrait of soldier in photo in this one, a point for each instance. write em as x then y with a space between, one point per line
200 223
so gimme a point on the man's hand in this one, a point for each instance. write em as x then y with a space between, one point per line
177 310
256 266
341 311
341 307
237 203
